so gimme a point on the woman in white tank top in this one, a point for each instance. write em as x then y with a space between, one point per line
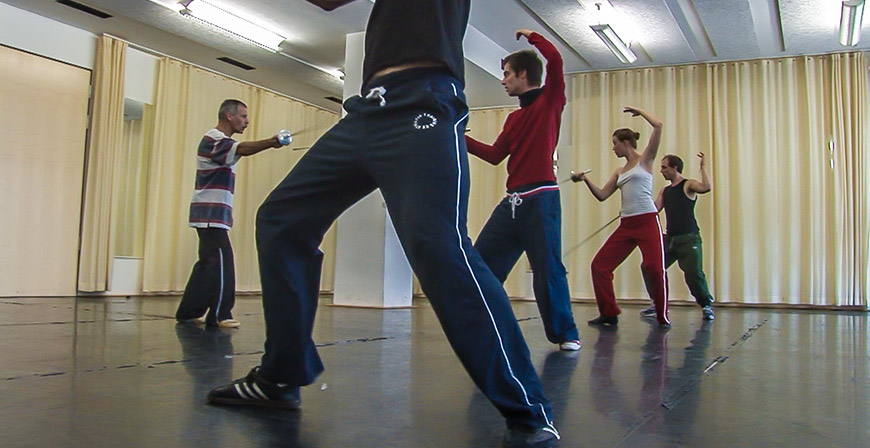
639 224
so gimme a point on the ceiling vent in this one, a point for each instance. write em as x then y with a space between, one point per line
333 99
236 63
85 9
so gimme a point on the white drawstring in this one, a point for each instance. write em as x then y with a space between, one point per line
377 93
515 201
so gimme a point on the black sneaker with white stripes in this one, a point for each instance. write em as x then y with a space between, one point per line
254 390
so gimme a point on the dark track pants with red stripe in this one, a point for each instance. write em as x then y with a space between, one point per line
643 231
533 227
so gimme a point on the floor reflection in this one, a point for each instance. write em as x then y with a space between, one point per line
654 374
606 396
681 406
556 376
121 373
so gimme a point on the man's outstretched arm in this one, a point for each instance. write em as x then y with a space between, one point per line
329 5
494 154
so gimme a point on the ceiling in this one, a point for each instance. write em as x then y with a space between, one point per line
665 32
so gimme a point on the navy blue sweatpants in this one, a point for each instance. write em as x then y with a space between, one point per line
406 138
533 224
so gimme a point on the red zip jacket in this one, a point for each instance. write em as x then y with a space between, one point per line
531 133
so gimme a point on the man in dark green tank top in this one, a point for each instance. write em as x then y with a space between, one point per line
683 238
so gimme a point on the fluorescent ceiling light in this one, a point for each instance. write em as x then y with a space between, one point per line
615 43
335 72
232 23
850 22
601 11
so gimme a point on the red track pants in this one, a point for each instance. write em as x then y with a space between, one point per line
644 231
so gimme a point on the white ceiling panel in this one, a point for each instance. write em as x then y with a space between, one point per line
657 31
813 26
734 37
667 32
500 19
571 22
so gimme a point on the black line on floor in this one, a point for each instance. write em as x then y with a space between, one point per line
353 341
681 392
177 361
69 322
676 397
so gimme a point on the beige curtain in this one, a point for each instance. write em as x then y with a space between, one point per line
488 188
107 117
130 196
186 107
786 222
257 176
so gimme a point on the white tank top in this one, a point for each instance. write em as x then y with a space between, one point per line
636 186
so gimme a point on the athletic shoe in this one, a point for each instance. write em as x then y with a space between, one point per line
195 320
708 312
229 323
254 390
604 321
570 346
529 438
649 312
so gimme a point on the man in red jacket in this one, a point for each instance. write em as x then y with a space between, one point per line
529 219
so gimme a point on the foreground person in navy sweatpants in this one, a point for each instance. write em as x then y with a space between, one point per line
404 135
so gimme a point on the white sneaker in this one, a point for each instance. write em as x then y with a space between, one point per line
195 320
570 346
649 312
229 323
707 311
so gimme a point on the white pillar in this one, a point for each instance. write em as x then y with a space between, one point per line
371 269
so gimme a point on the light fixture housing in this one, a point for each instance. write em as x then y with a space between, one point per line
231 23
286 51
850 22
615 43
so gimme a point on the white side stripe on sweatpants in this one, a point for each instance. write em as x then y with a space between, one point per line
217 310
550 428
664 271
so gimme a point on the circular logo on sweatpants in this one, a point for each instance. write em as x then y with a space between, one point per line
425 121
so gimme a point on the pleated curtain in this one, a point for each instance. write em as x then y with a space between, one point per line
102 173
786 221
186 107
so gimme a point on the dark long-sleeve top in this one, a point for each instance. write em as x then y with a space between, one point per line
531 133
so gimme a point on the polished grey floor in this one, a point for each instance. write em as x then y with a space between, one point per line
121 373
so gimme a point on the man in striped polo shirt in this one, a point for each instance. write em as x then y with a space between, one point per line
212 283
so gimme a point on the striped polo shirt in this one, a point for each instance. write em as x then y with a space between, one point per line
212 203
